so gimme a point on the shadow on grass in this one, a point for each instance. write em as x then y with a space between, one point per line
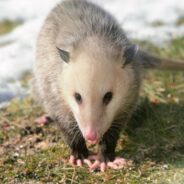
156 132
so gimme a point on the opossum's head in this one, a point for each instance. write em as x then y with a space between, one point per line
95 86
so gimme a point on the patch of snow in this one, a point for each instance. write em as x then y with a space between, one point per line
10 90
138 16
25 9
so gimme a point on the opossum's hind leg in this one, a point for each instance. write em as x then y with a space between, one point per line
43 120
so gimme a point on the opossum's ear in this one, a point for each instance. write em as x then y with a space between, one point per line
65 55
129 54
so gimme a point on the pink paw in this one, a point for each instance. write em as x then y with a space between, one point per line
118 163
95 164
79 162
43 120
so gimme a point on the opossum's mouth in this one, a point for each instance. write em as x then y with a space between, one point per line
93 142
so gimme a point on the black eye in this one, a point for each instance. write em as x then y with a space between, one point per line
78 98
107 98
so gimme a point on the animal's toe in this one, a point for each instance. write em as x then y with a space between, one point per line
88 162
103 166
79 162
72 160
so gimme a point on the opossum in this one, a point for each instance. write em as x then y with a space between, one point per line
87 77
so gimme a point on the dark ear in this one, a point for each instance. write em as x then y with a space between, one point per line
129 54
65 55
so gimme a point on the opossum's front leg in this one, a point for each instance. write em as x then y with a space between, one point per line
76 142
108 144
79 151
106 156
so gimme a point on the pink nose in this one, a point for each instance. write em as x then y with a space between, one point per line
91 136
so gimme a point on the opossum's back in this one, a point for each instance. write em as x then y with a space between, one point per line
79 18
68 24
81 13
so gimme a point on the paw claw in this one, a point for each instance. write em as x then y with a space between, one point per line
79 162
72 160
103 166
88 162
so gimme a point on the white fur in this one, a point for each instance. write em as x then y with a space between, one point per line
93 77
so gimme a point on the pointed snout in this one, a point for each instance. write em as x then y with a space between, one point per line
91 136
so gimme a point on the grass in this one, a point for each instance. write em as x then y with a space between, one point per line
154 138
